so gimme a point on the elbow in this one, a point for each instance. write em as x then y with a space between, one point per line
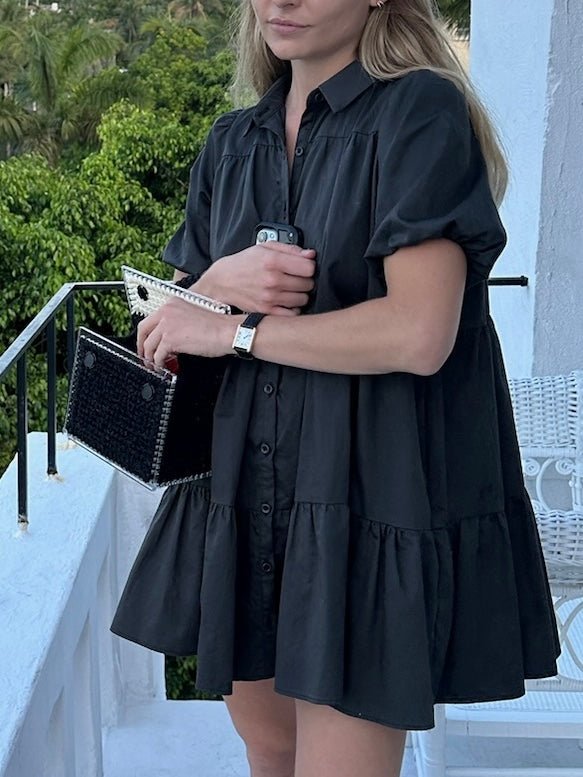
431 357
422 348
429 367
426 350
413 357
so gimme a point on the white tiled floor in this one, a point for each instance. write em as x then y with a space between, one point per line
175 739
183 739
197 739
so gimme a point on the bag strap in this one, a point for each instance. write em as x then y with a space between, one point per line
188 280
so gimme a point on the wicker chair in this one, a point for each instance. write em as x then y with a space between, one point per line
549 420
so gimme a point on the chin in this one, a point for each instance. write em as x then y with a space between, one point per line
288 51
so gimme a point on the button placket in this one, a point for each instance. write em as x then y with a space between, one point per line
263 463
298 163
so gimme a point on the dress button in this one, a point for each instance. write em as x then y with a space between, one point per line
266 508
268 389
299 150
265 448
266 566
318 97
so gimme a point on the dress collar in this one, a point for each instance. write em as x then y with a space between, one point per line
346 85
338 91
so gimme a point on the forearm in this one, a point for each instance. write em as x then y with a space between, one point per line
209 286
369 338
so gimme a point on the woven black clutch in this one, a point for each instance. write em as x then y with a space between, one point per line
151 423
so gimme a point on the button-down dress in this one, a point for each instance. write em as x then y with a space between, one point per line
366 540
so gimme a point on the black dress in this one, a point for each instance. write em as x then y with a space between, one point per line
367 540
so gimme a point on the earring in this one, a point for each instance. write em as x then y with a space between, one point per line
380 3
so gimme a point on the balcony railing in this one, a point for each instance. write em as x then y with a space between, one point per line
43 322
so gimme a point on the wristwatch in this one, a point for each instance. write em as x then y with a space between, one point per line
245 335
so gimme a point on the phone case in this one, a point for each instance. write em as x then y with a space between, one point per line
286 233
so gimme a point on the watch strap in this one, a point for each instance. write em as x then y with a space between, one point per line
253 319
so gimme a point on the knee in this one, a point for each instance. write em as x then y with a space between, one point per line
271 759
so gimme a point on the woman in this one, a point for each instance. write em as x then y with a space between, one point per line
365 547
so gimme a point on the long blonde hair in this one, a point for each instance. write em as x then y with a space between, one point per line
402 36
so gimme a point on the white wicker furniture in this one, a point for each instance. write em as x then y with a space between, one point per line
549 420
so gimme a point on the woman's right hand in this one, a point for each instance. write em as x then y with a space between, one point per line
271 277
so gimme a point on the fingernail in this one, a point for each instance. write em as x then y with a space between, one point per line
307 250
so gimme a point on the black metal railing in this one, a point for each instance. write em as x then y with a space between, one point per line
45 321
16 352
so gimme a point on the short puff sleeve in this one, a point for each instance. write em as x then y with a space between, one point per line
432 178
188 249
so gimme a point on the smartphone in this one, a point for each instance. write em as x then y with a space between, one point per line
282 233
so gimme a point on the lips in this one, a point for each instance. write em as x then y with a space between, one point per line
286 23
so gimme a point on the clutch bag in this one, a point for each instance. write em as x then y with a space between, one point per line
151 423
146 293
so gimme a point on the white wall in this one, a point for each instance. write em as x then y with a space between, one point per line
526 61
559 301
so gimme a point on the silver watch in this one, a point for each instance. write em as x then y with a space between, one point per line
245 334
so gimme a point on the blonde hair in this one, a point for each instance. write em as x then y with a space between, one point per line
402 36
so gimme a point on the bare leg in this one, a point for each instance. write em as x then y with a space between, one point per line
266 722
332 744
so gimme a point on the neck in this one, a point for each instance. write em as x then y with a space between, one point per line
307 75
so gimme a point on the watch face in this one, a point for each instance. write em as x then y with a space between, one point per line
244 338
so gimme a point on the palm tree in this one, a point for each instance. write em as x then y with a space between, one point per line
457 13
210 17
190 9
11 15
128 16
15 124
48 65
124 16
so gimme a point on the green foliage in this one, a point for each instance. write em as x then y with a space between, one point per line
26 184
131 19
181 678
179 76
186 90
457 14
123 202
156 153
125 16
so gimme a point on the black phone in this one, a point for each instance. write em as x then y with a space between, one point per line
282 233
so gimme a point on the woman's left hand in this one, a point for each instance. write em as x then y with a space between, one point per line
180 327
